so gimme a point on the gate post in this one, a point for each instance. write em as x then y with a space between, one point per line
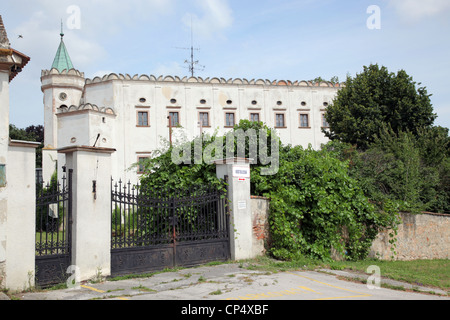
91 209
20 228
238 172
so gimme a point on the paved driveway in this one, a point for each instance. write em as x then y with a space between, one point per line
230 282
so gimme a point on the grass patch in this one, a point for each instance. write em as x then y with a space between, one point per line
43 237
270 265
434 273
215 293
143 275
143 288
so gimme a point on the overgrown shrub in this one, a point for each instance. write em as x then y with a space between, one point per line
316 207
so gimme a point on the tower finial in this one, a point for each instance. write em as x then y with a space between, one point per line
62 31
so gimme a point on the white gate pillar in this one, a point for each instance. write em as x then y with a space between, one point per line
21 220
238 172
91 209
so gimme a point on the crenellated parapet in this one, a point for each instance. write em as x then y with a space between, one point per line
236 81
65 79
86 106
54 71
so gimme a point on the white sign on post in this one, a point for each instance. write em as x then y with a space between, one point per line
242 205
241 172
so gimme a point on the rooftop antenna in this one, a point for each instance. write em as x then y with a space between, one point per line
193 64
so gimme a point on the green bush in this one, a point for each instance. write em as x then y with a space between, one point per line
316 207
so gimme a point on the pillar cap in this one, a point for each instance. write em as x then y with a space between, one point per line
233 161
86 149
24 144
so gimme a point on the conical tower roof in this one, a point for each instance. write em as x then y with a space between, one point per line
4 41
11 60
62 59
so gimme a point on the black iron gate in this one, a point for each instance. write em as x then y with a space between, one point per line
53 230
153 230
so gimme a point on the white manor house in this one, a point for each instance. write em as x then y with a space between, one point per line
130 113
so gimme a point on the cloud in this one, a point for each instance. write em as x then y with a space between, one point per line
40 41
216 16
98 23
415 10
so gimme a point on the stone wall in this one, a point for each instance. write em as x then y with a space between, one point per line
421 236
260 225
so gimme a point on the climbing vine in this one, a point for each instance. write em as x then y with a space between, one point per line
317 208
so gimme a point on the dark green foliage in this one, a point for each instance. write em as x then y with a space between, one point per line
396 154
316 206
411 173
161 173
375 98
31 133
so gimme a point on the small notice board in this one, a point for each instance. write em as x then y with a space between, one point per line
241 172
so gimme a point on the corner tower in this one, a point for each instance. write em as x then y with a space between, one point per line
63 87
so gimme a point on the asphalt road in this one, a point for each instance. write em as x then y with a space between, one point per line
231 282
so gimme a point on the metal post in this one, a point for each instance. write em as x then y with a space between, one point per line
69 214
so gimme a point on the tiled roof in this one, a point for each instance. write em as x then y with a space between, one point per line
62 59
11 59
4 41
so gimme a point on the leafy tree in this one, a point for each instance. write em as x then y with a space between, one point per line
402 171
31 133
36 131
162 173
420 175
19 134
434 144
374 98
333 80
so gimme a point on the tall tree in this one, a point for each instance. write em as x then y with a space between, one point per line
30 133
374 98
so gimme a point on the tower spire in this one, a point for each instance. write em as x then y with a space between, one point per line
62 59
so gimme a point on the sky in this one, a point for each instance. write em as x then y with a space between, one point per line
251 39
